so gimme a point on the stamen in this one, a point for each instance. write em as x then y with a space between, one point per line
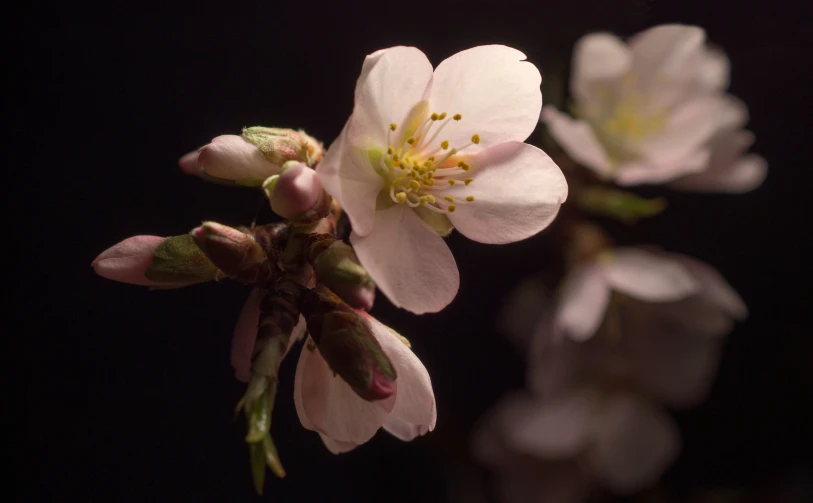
389 150
444 144
457 117
475 139
469 198
411 140
401 197
393 126
451 208
415 185
451 182
449 198
468 180
434 116
442 116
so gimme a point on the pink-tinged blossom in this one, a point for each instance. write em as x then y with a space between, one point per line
229 157
425 151
617 440
652 321
128 260
329 406
654 110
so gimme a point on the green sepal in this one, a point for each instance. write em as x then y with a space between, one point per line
257 458
179 260
439 222
272 457
340 263
259 421
621 205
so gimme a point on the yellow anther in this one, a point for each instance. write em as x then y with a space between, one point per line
401 197
451 182
449 198
442 116
427 163
415 184
430 182
389 150
395 158
434 116
468 180
469 198
466 166
431 158
457 117
451 208
430 198
475 139
411 140
444 144
393 127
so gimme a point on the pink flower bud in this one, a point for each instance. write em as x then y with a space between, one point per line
128 260
229 157
296 191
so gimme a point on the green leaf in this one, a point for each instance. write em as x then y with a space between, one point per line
624 206
179 260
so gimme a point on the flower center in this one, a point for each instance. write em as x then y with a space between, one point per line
418 166
624 116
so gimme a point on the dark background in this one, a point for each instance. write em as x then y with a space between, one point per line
127 395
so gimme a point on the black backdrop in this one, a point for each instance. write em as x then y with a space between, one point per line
127 395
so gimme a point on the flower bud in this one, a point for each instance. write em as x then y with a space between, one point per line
347 344
230 157
280 145
297 194
233 251
338 268
155 261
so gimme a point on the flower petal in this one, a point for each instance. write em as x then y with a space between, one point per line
692 124
714 289
728 170
635 443
494 89
517 192
664 52
414 412
346 174
245 334
337 446
583 302
392 81
551 429
647 276
128 260
577 139
325 403
599 59
408 261
234 158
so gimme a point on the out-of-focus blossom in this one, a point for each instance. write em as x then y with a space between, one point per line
650 321
655 111
328 405
425 152
561 446
678 287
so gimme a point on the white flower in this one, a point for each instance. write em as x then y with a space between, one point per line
654 111
426 151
